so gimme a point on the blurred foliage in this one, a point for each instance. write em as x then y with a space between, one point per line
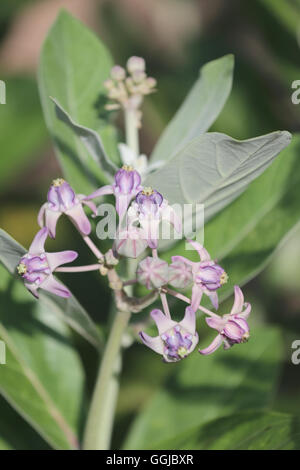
264 37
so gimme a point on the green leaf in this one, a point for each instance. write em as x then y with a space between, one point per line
73 66
42 379
215 169
21 116
199 110
243 431
67 309
15 433
205 388
91 140
247 233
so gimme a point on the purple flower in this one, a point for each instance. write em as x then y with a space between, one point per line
175 340
62 199
149 209
207 276
233 327
37 266
127 184
152 272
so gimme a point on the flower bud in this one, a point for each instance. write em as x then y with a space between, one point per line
118 73
136 64
180 274
152 272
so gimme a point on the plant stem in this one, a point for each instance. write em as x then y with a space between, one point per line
132 133
177 295
101 415
79 269
93 247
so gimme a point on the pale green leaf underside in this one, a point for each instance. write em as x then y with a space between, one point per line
90 139
203 388
67 309
199 110
214 169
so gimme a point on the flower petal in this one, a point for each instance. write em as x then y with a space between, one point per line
245 314
203 253
51 218
163 323
32 288
37 245
238 301
90 204
170 216
214 300
217 323
122 203
216 343
52 285
79 219
61 257
41 214
189 321
154 343
101 192
233 331
197 293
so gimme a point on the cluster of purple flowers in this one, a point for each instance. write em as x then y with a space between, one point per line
141 211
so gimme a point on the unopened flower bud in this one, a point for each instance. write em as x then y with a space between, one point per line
180 274
152 272
118 73
136 64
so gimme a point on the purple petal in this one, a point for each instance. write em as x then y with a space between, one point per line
52 285
233 331
242 323
154 343
67 195
214 300
32 289
59 258
51 218
79 219
170 216
163 323
122 203
189 321
90 204
217 323
41 214
203 253
101 192
37 245
183 259
216 343
197 293
238 301
245 314
53 198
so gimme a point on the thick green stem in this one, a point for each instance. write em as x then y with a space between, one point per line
99 425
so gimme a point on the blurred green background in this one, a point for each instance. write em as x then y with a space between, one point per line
176 37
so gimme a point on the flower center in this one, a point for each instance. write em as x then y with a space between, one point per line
182 352
127 168
58 182
22 269
245 337
147 191
223 278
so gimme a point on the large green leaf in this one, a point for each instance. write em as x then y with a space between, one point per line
21 116
199 110
90 139
214 169
245 236
15 433
242 431
43 377
204 388
73 66
67 309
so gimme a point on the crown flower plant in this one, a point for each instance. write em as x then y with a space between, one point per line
149 274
